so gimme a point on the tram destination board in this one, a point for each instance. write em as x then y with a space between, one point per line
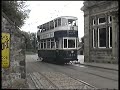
70 33
5 50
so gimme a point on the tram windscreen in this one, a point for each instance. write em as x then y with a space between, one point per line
72 22
71 43
65 43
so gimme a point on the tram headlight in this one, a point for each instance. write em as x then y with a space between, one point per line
72 51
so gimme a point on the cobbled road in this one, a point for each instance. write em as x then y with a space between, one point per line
41 75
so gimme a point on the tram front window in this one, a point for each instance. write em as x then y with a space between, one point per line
65 43
71 43
72 22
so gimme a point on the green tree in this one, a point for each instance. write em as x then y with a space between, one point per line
28 41
31 41
16 11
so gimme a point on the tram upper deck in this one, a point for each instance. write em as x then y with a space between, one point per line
57 26
60 23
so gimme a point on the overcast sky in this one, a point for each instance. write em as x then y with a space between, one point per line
44 11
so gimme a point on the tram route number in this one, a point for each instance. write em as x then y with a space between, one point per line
5 50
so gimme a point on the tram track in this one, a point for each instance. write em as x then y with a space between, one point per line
85 83
93 87
39 80
94 74
88 73
42 79
56 87
39 85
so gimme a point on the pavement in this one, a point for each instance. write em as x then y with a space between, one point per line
102 65
98 65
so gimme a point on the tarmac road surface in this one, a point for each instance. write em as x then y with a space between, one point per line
51 76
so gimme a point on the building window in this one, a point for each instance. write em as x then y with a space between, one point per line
93 38
102 37
109 19
110 37
101 20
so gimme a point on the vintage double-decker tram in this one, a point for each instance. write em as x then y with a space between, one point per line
58 40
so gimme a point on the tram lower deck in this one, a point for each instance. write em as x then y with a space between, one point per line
58 56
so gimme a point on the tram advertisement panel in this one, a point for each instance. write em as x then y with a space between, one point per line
5 50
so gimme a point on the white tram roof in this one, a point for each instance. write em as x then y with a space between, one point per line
66 17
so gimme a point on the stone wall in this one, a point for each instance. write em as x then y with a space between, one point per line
14 77
101 56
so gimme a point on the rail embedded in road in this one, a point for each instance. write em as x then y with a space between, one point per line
57 80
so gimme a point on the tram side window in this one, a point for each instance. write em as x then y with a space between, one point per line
48 43
52 43
51 25
65 43
71 43
70 22
38 37
59 22
38 45
41 28
57 43
41 45
47 26
56 23
44 29
74 23
44 44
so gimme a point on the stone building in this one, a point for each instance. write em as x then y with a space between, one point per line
101 31
14 76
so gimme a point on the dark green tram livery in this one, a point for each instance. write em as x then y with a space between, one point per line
58 40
